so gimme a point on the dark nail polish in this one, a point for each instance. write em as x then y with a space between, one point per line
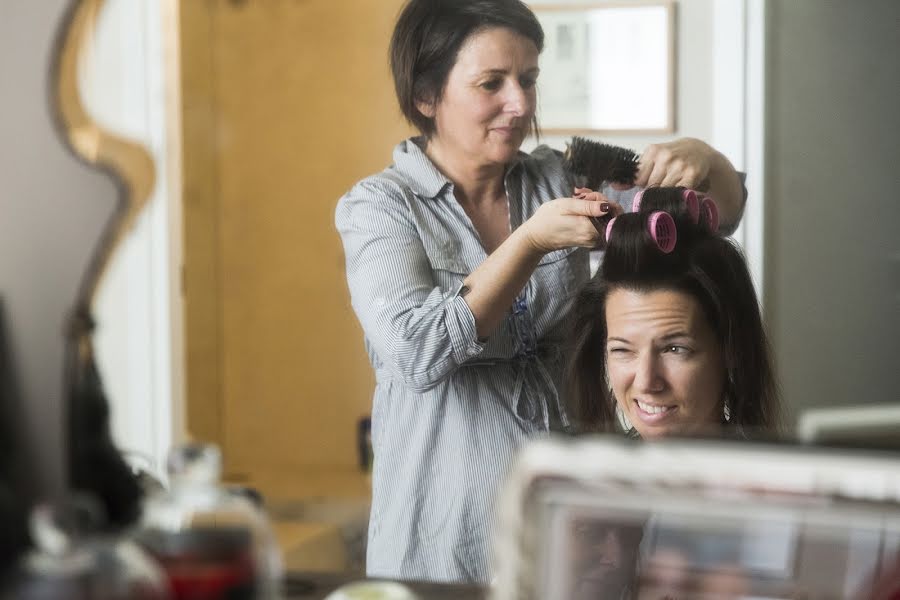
604 206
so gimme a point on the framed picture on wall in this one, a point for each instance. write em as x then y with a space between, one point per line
607 68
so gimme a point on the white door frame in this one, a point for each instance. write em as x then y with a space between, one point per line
738 113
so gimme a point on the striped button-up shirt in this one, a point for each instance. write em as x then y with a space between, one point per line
449 410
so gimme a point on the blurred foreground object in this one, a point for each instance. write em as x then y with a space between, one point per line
74 560
873 426
213 543
606 517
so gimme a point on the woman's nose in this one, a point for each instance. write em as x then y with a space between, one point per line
517 100
647 377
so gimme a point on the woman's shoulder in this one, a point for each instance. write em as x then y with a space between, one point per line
378 194
378 187
544 171
411 174
542 161
542 157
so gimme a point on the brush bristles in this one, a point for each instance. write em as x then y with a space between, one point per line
598 162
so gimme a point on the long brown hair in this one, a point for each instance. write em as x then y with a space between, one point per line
706 266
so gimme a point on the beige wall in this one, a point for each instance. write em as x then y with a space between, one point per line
51 211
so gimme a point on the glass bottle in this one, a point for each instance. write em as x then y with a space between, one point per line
212 543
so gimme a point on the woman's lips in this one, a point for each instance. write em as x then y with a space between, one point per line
653 413
506 131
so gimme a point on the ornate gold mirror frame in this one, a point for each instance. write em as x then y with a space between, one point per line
130 164
94 463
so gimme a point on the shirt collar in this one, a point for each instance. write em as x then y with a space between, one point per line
421 175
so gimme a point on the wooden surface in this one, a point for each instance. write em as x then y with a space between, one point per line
320 517
315 547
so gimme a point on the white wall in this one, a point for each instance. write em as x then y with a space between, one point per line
122 84
833 267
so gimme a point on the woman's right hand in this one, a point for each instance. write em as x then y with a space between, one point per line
565 222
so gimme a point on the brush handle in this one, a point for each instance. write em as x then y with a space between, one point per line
599 223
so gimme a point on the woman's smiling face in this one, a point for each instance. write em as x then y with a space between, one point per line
489 100
665 365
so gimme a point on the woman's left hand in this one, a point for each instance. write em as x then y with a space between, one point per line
692 163
684 162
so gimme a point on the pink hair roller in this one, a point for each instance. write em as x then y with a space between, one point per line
692 204
710 214
636 203
609 228
662 230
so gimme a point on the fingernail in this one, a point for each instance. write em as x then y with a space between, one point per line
604 206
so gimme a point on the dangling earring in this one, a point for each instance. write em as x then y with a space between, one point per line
624 423
728 389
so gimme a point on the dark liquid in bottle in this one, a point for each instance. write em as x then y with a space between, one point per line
213 563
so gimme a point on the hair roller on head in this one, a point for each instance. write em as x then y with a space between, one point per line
661 227
692 204
689 196
609 228
636 203
710 213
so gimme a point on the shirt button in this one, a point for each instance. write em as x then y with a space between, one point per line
473 351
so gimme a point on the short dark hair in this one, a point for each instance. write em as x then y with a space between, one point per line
706 266
427 38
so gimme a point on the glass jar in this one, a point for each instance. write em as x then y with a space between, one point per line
212 543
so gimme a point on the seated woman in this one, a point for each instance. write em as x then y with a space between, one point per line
666 338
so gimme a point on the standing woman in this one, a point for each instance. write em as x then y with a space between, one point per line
461 259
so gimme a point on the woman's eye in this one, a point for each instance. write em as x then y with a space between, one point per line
676 349
492 85
528 82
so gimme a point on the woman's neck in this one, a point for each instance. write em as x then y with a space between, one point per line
474 184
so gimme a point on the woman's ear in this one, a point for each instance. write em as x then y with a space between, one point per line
427 108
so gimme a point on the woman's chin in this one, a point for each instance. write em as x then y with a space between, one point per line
658 433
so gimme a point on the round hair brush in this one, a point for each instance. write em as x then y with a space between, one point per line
595 162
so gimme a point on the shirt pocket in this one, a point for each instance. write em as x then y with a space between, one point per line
447 266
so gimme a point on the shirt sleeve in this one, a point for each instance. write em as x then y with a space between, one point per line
420 331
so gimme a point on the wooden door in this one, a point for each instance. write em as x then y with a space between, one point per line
286 103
